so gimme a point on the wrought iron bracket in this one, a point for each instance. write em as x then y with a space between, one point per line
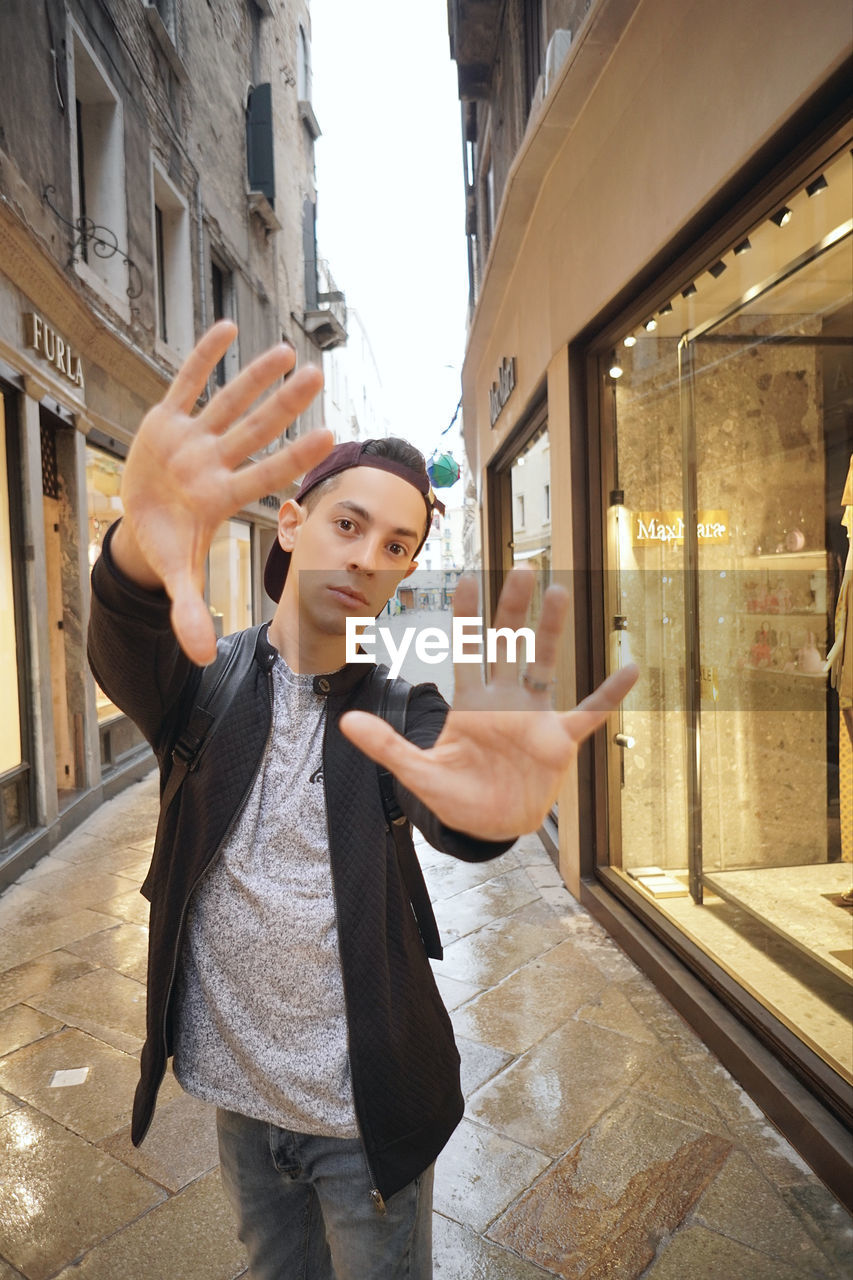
103 242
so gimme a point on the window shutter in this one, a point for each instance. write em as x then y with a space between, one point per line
259 141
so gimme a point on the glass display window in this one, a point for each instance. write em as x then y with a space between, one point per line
230 577
104 507
728 430
530 479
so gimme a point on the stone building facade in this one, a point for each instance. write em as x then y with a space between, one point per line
661 337
156 173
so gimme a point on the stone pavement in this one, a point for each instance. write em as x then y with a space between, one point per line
601 1141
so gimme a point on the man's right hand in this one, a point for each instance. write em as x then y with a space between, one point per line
184 474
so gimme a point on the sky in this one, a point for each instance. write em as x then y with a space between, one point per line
391 201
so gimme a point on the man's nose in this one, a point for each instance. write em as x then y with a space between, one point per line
366 556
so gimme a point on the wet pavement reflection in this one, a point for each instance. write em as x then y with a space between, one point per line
601 1138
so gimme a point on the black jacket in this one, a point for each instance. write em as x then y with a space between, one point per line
404 1062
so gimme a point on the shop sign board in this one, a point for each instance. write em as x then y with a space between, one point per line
501 390
648 527
51 345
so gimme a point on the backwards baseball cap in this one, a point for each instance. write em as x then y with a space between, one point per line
352 453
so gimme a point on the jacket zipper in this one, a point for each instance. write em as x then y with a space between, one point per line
204 871
375 1193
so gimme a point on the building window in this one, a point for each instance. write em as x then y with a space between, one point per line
728 419
173 264
547 502
99 173
303 67
260 148
230 577
519 510
224 308
532 46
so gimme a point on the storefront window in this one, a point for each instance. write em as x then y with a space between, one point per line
231 577
10 728
531 513
729 429
103 482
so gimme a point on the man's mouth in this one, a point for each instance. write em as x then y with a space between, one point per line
348 596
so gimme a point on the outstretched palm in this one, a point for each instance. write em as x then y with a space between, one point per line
499 762
186 474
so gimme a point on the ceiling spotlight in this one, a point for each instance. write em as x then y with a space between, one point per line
666 309
630 341
717 269
616 369
689 291
820 184
782 216
743 247
650 325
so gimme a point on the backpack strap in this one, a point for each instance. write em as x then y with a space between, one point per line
393 698
217 688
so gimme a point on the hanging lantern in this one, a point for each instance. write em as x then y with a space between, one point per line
443 470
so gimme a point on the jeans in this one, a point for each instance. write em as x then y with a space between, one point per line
304 1208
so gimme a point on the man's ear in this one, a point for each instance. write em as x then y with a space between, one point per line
411 569
290 517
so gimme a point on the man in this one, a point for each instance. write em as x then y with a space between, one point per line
286 972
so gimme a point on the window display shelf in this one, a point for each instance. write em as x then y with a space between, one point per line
778 613
780 671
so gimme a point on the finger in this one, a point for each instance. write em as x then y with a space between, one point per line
552 620
272 417
191 379
590 714
191 621
236 397
468 673
280 468
511 614
375 737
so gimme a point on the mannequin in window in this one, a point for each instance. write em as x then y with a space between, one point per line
839 664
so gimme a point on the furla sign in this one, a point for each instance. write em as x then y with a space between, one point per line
51 346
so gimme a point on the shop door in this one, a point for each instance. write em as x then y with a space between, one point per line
63 726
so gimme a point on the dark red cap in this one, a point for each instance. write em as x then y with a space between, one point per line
342 457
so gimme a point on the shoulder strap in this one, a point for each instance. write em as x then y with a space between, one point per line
393 700
219 683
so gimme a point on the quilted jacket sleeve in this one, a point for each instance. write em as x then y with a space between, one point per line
426 715
133 653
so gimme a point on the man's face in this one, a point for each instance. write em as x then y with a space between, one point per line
349 552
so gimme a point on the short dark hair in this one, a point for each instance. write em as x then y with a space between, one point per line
393 447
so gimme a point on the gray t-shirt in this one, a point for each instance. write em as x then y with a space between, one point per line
260 1024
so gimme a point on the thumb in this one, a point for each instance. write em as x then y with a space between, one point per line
192 623
376 738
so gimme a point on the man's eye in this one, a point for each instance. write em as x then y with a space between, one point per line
400 550
344 521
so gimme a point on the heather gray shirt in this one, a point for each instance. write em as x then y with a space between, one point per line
260 1026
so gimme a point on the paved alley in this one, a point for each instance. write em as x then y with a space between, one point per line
602 1140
